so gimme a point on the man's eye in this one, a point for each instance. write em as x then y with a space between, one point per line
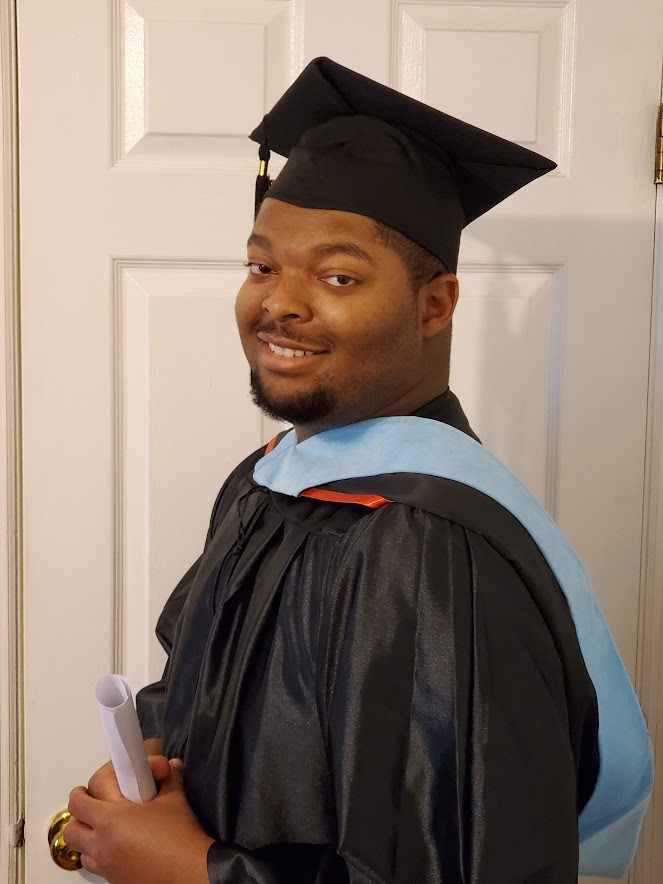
342 280
257 269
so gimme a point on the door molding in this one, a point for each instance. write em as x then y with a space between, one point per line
649 672
12 790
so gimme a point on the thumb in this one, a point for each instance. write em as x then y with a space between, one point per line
175 779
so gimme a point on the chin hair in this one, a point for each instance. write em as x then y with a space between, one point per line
304 408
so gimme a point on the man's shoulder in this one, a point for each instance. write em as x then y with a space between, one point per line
236 483
436 496
244 469
440 501
439 524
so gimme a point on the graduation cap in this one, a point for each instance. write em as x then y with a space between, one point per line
357 146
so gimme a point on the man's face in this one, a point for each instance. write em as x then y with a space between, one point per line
321 282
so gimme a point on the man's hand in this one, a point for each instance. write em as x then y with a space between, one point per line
103 782
126 843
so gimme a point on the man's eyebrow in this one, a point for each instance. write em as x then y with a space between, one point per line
257 239
343 248
321 250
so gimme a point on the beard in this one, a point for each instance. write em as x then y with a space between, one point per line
304 408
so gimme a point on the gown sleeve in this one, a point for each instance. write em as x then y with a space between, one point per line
150 699
446 717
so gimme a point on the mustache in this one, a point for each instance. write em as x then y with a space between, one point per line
282 331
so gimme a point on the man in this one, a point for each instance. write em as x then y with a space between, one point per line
385 665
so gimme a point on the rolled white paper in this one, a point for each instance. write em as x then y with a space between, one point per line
125 740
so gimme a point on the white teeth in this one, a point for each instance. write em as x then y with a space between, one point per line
288 352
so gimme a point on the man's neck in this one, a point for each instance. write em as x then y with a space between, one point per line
406 404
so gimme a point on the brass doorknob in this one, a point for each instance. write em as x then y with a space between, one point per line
63 856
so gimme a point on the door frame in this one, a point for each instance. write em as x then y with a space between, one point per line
12 791
648 866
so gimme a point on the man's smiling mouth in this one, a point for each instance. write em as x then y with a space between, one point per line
287 348
289 353
290 360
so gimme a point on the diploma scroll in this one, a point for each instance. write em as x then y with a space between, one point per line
125 740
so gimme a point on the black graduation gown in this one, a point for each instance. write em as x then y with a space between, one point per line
376 695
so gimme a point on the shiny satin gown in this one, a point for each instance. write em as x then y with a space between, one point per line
376 695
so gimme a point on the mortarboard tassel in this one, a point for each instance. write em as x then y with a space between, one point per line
263 181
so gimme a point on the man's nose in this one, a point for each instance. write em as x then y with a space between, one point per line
287 299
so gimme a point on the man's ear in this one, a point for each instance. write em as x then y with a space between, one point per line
438 299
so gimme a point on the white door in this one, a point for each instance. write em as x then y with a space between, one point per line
136 199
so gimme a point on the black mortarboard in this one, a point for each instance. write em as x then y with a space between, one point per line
358 146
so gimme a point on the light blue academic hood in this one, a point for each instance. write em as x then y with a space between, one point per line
609 825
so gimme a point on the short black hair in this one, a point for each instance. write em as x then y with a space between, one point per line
420 264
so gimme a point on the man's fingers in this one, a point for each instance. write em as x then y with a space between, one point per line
77 835
83 806
90 864
175 780
160 767
103 784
